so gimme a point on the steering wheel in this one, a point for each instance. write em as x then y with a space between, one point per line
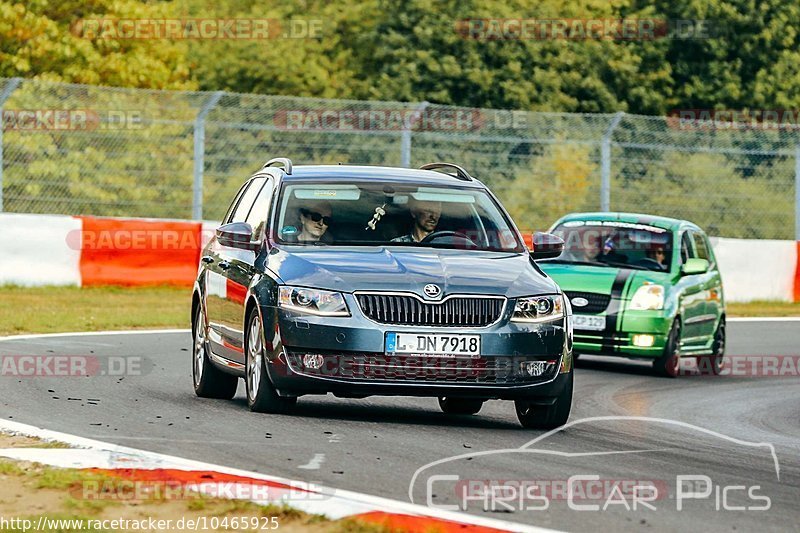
444 234
650 263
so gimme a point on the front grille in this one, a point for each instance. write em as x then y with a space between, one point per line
597 302
501 370
459 311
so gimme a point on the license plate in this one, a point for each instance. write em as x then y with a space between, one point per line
433 344
589 322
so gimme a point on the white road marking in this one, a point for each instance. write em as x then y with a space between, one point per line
92 333
314 463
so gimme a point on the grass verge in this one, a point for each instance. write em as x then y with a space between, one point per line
764 308
63 309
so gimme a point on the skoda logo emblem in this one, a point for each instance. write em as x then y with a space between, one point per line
432 291
580 302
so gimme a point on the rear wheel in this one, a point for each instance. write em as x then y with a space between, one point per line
669 363
714 363
209 381
533 416
261 395
460 406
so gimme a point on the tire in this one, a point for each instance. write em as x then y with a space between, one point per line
533 416
669 364
460 406
714 364
209 381
261 395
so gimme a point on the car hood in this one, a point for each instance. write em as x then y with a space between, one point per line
600 279
409 270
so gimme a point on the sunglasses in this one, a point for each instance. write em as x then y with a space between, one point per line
316 217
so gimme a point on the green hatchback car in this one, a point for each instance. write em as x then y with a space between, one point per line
642 287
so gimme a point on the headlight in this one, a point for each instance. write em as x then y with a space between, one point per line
313 301
538 309
648 297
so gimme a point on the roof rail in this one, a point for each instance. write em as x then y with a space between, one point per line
284 161
460 173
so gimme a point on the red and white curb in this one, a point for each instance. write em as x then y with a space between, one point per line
141 465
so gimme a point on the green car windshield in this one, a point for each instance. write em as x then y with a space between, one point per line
388 213
607 243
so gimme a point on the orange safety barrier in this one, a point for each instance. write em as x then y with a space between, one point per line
419 524
797 275
139 252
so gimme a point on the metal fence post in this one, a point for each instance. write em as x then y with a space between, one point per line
605 163
199 154
10 87
797 192
405 139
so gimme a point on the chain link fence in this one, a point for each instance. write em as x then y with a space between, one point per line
77 149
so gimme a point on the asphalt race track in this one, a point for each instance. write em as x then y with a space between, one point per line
711 430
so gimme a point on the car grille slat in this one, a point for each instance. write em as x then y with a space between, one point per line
408 310
597 302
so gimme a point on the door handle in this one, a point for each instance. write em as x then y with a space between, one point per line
224 265
207 259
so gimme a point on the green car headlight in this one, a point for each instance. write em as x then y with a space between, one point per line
647 297
538 309
313 301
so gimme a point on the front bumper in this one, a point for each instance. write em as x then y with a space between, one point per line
617 338
356 364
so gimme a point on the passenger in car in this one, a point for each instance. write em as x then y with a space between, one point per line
315 219
425 216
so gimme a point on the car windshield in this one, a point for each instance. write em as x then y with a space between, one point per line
615 244
392 214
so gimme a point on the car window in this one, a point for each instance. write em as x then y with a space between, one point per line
234 203
687 251
612 243
257 218
700 246
369 213
246 201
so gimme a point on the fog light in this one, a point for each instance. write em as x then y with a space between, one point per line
536 368
313 361
643 341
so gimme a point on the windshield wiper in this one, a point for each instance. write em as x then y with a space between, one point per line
626 265
570 262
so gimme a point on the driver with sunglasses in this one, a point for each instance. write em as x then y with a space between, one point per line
315 220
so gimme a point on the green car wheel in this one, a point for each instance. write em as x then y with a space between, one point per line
714 364
669 363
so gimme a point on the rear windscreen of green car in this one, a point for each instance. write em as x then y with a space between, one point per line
369 213
613 243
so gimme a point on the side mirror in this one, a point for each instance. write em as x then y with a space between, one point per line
695 266
546 246
235 235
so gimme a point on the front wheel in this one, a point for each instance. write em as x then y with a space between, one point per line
209 381
669 363
715 363
533 416
460 406
261 395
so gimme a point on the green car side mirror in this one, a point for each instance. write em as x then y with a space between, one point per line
695 266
